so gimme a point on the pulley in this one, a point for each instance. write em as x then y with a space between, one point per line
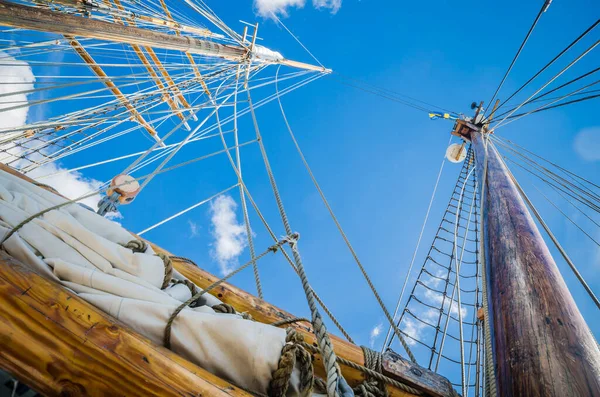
123 189
126 186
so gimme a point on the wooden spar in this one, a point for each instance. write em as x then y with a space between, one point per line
66 314
36 18
162 70
60 345
98 71
542 345
189 56
86 7
142 57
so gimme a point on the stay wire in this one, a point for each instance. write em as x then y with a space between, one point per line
386 345
533 25
581 36
550 234
342 233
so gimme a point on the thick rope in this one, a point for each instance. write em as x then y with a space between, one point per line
490 375
369 372
342 233
372 387
191 286
335 380
167 335
168 269
137 246
293 352
140 246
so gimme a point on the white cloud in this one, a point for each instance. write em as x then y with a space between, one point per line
230 236
587 144
333 5
72 185
375 332
19 77
414 328
266 8
193 228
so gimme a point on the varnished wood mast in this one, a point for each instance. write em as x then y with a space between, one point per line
542 345
60 345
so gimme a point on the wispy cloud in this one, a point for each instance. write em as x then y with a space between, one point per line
375 333
20 77
230 235
266 8
17 76
193 228
417 329
333 5
587 144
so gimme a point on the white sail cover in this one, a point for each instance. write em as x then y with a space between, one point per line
85 253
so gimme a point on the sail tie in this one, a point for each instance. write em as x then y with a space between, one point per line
167 336
292 353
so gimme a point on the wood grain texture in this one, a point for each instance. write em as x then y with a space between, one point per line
430 382
60 345
35 18
542 345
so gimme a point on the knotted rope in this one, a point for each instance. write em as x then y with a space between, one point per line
191 286
226 308
372 387
195 297
137 246
293 352
368 371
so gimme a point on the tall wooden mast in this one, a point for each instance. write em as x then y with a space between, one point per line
541 344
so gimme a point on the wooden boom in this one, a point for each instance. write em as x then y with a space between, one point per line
542 345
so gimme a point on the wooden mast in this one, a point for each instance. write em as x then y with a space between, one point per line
542 345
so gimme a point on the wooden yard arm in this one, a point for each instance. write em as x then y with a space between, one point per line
98 71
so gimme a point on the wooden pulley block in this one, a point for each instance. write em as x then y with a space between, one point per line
126 186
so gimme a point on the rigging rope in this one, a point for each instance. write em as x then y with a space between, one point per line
194 298
335 380
567 259
343 234
386 344
537 18
567 48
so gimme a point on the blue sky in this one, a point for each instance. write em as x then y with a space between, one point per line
377 160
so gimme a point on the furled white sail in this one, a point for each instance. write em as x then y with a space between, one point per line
86 254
